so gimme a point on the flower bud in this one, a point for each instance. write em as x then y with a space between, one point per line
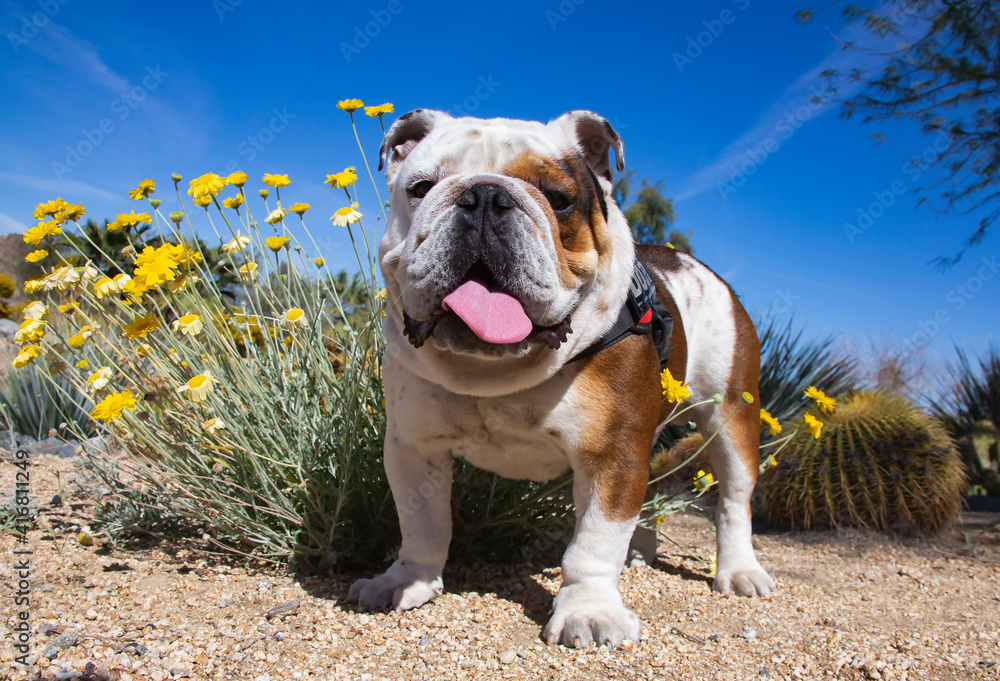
263 193
176 218
176 177
155 203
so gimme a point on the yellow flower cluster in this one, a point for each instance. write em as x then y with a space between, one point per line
673 390
823 402
772 423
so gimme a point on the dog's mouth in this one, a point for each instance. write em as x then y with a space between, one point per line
491 313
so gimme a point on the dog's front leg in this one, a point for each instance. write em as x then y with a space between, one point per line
588 608
421 488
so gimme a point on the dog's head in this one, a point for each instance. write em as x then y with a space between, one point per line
502 240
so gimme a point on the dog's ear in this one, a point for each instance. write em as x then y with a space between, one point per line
404 135
595 137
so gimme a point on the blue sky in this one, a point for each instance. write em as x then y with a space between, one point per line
766 178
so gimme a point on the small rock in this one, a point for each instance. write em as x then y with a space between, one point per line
508 656
424 640
56 500
50 445
65 640
91 614
95 445
869 575
223 602
68 450
627 646
263 586
714 637
50 652
765 672
378 650
179 673
747 632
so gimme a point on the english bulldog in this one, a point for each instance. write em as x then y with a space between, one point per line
506 262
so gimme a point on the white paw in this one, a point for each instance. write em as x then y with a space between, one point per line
585 615
396 587
748 580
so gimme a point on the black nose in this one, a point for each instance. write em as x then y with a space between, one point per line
487 198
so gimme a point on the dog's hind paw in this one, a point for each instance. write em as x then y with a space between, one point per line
399 591
750 582
585 615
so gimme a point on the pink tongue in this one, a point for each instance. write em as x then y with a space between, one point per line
493 316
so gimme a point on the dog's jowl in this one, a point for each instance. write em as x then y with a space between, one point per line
507 266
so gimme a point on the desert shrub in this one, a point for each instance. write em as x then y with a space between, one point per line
33 404
882 464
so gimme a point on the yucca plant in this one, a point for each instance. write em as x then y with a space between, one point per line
881 463
790 363
34 404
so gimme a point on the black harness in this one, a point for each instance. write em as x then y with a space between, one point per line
641 314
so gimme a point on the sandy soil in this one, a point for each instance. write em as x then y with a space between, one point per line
849 605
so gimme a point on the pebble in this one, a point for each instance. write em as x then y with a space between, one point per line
748 632
65 640
508 656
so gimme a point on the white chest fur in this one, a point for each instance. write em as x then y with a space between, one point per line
527 435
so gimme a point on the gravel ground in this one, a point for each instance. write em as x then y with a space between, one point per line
849 605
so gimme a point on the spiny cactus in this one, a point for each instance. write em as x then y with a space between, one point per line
880 463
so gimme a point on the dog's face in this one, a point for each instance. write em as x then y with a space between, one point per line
498 230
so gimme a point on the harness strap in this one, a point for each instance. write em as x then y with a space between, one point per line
641 314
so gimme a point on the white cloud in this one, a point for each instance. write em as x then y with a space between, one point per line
9 225
71 190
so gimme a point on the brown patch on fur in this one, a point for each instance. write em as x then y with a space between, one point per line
581 232
744 428
660 260
617 434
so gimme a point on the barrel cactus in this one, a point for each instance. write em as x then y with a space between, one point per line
880 463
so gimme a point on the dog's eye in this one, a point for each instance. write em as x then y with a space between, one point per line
420 189
558 200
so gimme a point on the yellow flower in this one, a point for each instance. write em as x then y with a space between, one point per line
319 262
770 461
233 202
673 390
346 216
35 235
111 407
72 305
131 219
145 188
36 256
49 208
213 425
747 397
236 244
813 425
159 267
80 337
143 350
197 388
82 364
703 481
70 213
275 216
113 226
344 178
105 287
120 280
823 401
202 201
36 310
294 318
276 181
189 324
374 111
100 378
27 355
248 272
299 208
237 179
350 105
31 330
381 295
276 243
208 184
140 327
181 283
772 423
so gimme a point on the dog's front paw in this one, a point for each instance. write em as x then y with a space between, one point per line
749 580
397 587
585 615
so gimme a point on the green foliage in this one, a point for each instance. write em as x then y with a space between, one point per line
971 411
34 403
942 73
789 364
650 214
879 463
